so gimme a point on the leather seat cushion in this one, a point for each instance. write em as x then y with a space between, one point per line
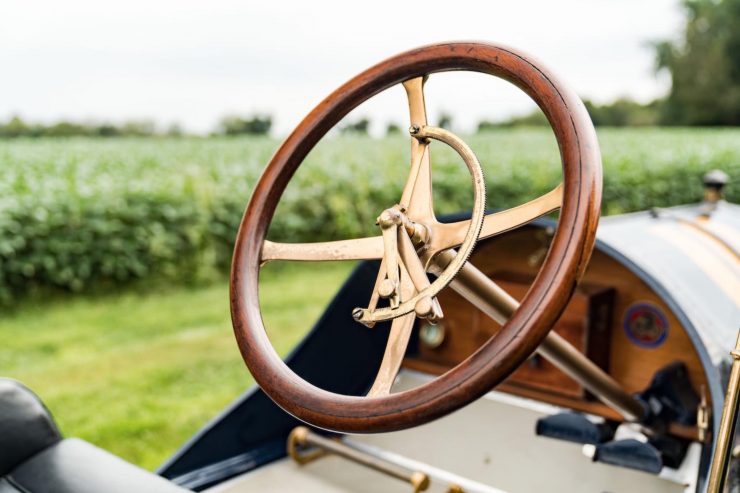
75 466
35 459
26 427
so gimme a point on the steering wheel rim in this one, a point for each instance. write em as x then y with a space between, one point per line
519 337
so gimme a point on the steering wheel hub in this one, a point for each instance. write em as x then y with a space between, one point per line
401 262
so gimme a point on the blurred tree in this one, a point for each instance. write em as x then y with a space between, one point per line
534 119
175 130
255 125
142 128
16 127
392 128
361 126
487 126
106 130
445 120
623 112
704 66
620 113
65 129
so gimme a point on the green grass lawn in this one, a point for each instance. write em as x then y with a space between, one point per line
139 373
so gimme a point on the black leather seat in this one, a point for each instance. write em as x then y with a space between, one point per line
34 458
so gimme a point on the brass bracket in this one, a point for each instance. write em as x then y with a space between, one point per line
398 242
726 435
299 438
702 417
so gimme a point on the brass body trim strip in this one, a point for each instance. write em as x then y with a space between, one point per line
726 434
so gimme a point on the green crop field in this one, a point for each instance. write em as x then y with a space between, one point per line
81 214
113 254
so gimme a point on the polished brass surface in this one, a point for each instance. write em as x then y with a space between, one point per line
417 194
303 437
391 221
356 249
712 195
450 235
726 434
714 184
299 437
395 348
443 236
584 371
495 302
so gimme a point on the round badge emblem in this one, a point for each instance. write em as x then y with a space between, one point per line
646 325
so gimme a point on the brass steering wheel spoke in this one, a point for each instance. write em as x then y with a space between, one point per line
398 340
416 199
395 350
370 248
451 235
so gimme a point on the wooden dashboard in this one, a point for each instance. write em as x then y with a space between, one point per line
614 318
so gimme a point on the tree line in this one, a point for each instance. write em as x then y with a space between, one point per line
230 125
621 113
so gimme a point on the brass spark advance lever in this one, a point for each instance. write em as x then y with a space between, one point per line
407 242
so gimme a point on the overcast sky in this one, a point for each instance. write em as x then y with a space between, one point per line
194 61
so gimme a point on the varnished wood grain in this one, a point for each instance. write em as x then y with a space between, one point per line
468 329
631 365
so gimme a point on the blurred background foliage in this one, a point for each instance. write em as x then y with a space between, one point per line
704 66
87 213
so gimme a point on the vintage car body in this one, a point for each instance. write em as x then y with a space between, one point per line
682 262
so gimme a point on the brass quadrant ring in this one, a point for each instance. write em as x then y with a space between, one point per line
394 222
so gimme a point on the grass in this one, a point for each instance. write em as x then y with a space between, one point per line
139 373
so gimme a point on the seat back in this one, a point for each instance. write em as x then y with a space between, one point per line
26 426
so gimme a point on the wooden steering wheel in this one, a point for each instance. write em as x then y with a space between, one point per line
412 242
